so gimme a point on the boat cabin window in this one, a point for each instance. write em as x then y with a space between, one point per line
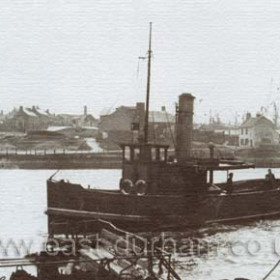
208 177
136 153
162 154
131 153
154 153
127 153
158 154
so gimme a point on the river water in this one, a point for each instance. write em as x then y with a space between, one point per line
248 250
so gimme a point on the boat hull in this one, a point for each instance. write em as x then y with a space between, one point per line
73 209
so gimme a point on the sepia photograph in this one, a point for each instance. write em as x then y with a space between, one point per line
140 140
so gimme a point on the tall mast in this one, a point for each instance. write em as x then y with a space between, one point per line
146 127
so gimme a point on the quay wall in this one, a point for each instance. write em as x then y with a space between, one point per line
62 161
107 160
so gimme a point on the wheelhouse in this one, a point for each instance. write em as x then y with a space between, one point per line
144 152
163 175
149 163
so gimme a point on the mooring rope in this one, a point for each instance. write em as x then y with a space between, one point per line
274 267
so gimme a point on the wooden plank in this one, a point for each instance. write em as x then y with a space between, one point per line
17 262
117 265
95 215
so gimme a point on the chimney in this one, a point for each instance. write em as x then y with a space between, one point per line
184 127
163 109
85 110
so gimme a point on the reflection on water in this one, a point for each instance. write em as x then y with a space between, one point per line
228 251
248 250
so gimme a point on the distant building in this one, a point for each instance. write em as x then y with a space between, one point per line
162 126
2 117
83 120
45 118
214 127
124 116
121 119
128 120
28 119
218 133
22 120
256 131
127 124
232 131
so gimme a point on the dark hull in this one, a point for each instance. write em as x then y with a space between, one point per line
73 209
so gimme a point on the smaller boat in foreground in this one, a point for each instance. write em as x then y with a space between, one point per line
109 254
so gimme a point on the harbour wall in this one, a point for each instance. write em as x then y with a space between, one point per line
61 161
110 160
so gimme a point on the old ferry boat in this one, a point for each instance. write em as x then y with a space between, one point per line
157 192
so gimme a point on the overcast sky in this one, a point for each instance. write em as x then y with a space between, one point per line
64 54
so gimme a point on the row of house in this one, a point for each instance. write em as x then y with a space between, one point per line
254 131
29 119
124 121
127 123
257 131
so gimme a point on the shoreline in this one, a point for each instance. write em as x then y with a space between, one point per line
61 161
93 161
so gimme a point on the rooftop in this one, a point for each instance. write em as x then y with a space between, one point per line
161 117
252 121
28 112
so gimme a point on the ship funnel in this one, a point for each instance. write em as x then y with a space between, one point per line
184 127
